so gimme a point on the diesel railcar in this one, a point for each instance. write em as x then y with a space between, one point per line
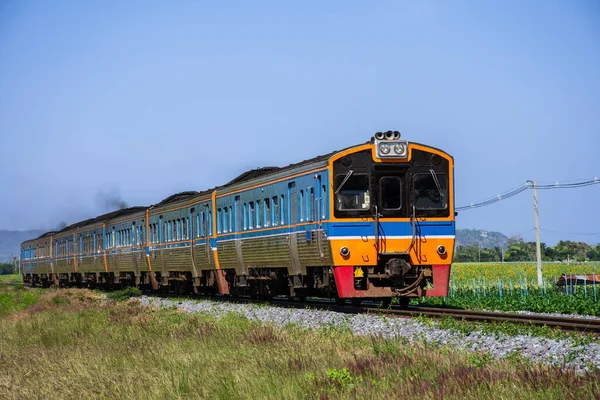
372 221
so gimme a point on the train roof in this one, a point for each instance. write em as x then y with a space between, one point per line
252 174
246 176
177 197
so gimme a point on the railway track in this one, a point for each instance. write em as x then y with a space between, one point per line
585 325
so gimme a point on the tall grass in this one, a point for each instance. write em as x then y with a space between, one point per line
76 344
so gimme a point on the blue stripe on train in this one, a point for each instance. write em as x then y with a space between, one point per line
427 228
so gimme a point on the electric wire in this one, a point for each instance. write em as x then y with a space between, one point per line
529 185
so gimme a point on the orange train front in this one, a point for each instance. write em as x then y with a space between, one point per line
391 228
371 221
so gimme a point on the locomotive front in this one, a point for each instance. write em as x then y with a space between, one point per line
391 219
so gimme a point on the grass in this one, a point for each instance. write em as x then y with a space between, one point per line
77 344
13 295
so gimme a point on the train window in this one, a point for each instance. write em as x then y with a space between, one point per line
231 227
301 205
323 201
201 224
352 192
267 212
282 209
142 234
225 217
390 193
430 192
310 207
275 211
198 225
219 222
244 217
237 209
259 216
250 215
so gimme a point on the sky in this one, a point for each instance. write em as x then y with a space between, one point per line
135 100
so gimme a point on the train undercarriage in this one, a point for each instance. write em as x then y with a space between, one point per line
394 278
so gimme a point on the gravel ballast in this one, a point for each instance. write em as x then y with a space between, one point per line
557 352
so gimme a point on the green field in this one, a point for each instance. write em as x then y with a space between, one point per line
74 344
513 287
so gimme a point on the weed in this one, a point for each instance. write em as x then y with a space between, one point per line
479 359
124 294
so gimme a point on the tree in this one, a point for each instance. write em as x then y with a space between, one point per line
520 251
6 268
594 253
568 250
468 253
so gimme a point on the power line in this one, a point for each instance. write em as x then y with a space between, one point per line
571 233
529 185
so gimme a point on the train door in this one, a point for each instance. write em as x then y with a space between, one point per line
237 228
391 201
292 216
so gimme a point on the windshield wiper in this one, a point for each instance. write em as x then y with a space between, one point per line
344 181
437 183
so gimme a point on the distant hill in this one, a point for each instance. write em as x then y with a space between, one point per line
485 239
10 242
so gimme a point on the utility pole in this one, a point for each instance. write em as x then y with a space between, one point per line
538 247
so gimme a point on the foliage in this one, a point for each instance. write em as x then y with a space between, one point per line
124 294
6 269
519 250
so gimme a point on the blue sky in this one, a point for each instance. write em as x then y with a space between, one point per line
141 99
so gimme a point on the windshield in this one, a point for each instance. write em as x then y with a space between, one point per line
431 191
353 194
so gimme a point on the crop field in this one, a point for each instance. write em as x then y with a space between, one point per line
513 287
74 343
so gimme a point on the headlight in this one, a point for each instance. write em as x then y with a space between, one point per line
384 148
400 149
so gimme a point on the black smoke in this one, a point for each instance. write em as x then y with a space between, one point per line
109 199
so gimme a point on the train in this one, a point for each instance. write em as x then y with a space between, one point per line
374 221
